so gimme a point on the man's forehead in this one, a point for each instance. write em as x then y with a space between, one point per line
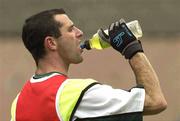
63 19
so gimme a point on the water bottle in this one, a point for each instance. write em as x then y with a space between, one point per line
97 42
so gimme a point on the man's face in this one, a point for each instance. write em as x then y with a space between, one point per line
69 41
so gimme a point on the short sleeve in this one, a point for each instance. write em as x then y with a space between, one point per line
103 100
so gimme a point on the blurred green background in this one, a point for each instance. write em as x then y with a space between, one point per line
160 21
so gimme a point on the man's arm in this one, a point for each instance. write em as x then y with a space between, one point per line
124 41
146 76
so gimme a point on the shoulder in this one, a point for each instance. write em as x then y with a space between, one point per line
69 96
103 100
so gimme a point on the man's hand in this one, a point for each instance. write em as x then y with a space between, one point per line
122 39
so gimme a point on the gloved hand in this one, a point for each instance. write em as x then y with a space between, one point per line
122 39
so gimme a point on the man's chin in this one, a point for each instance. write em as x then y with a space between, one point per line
78 61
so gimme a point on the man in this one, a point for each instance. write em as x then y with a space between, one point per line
54 42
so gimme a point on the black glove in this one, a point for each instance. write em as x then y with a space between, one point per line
122 39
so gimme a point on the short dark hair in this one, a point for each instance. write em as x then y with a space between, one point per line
37 27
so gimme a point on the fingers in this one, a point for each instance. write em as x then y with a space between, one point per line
111 27
122 21
116 25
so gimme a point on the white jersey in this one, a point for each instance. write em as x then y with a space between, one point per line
102 101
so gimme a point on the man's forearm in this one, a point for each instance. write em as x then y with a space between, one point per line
146 76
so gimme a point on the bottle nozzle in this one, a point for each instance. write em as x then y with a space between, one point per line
86 45
82 46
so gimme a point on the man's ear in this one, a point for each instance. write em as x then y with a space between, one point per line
50 43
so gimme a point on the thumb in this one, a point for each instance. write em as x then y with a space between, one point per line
103 35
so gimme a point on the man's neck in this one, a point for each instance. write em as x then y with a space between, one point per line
46 66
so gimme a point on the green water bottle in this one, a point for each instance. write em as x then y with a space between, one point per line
97 41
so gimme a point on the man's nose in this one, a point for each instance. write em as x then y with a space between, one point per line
79 33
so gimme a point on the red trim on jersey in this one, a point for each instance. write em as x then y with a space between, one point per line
36 101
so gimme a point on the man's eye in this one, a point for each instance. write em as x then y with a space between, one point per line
71 29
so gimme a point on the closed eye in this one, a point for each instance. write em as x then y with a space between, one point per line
71 28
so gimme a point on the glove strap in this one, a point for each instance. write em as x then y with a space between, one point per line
132 48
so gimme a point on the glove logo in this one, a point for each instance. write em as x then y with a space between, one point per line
118 39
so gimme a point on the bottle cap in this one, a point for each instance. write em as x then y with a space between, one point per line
82 46
85 45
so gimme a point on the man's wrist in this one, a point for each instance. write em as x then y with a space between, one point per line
137 57
132 48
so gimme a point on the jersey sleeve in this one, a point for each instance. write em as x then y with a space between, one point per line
105 101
